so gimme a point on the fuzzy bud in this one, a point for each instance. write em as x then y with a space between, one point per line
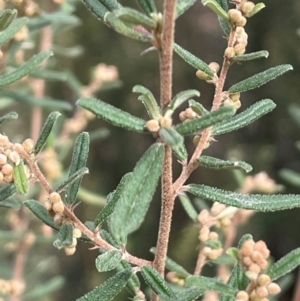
1 177
28 145
215 67
229 52
247 248
165 122
54 197
74 242
239 49
152 125
58 219
7 169
237 104
214 254
58 207
242 295
213 236
14 157
3 159
48 205
262 291
273 288
182 116
196 140
190 114
236 18
70 251
202 75
9 178
203 216
263 280
247 8
235 96
77 233
4 141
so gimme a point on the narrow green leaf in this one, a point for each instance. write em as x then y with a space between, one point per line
110 4
109 260
8 116
193 60
110 206
257 8
224 24
46 130
137 195
198 124
189 294
7 191
173 266
148 6
110 288
171 137
79 158
157 283
149 101
112 115
183 5
133 17
197 107
251 56
258 202
98 9
7 17
259 79
11 203
180 98
243 239
12 29
125 30
248 116
20 178
216 7
188 207
71 179
41 212
64 236
211 284
290 176
25 69
50 75
284 265
216 163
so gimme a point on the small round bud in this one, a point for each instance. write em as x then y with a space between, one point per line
247 8
70 251
152 125
217 208
239 49
74 242
28 145
7 169
196 140
225 221
263 280
58 207
4 141
247 248
213 236
262 291
235 16
9 178
235 96
22 34
48 205
54 197
214 254
14 157
202 75
242 295
77 233
256 256
229 52
262 247
254 268
242 22
215 67
182 116
203 216
240 31
3 159
206 250
18 147
273 288
58 219
190 114
247 261
165 122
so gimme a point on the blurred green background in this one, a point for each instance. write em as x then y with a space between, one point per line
268 144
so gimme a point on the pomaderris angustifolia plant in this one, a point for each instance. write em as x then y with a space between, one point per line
244 271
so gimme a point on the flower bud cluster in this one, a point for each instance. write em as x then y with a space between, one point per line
261 290
214 67
240 43
246 7
231 99
175 278
71 249
11 287
56 207
254 256
154 125
188 114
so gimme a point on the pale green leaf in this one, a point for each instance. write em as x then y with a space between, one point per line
149 101
8 116
112 115
248 116
12 29
148 6
262 203
64 236
108 260
79 159
210 284
112 202
216 163
7 17
95 6
41 212
224 24
46 131
251 56
133 17
137 195
198 124
157 283
21 180
290 176
284 265
217 8
257 8
183 5
173 266
110 288
193 60
188 207
197 107
259 79
25 69
7 191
